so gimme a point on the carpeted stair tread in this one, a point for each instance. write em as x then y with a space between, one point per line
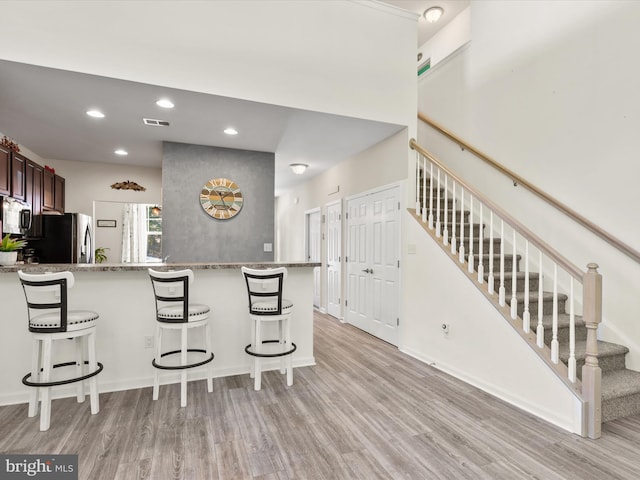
620 383
605 349
533 297
563 321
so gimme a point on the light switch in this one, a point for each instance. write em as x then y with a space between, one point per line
268 247
411 248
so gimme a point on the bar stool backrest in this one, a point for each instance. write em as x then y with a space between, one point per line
170 288
265 286
46 296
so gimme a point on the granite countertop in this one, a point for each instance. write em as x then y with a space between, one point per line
126 267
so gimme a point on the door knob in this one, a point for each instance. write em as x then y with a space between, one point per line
366 270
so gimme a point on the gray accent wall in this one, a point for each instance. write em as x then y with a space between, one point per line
189 234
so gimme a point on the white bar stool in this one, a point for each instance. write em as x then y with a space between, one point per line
174 312
49 320
266 304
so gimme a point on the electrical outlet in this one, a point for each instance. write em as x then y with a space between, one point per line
445 328
148 341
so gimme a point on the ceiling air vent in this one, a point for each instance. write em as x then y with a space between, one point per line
155 123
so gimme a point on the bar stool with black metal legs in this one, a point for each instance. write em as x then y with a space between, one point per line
50 320
266 304
174 312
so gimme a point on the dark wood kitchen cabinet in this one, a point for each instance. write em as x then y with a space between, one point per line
34 195
58 194
48 185
53 192
18 175
5 171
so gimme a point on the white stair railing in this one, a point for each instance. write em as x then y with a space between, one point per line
564 275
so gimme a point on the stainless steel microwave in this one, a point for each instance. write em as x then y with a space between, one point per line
16 216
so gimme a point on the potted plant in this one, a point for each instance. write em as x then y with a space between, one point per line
101 254
9 250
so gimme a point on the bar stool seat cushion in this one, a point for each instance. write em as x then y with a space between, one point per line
76 320
269 307
196 312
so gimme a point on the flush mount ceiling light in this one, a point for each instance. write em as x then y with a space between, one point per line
230 131
165 103
121 151
95 113
298 168
433 14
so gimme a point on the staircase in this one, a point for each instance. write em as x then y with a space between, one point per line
620 386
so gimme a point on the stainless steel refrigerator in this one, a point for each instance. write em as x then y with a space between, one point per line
67 238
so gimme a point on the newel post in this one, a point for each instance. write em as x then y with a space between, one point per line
591 374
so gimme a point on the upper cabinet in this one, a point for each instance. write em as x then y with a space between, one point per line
18 175
5 171
58 193
53 192
33 190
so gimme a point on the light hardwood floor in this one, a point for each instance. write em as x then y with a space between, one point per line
365 411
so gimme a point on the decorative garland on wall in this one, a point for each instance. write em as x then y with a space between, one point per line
128 185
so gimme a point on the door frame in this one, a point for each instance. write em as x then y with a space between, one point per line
341 261
307 249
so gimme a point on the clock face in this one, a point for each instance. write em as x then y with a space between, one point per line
221 198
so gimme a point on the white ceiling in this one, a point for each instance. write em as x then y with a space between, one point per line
44 110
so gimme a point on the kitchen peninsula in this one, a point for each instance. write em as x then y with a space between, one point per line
123 297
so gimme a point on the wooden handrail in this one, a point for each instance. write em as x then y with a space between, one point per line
620 245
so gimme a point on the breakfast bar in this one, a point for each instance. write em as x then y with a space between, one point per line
123 297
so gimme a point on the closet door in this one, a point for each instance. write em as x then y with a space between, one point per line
373 263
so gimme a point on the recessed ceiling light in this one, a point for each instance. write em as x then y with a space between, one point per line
165 103
95 113
433 14
230 131
121 151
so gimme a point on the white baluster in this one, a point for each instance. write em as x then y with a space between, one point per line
424 190
572 336
554 327
480 253
445 233
514 278
526 315
418 205
490 278
501 287
431 198
540 328
461 251
453 219
470 259
438 224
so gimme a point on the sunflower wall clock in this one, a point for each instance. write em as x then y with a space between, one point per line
221 198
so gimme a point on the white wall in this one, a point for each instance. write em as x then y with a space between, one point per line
549 89
88 181
481 348
324 56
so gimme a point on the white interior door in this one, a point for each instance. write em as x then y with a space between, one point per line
373 263
314 241
334 259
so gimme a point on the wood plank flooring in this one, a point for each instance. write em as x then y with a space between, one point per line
365 411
